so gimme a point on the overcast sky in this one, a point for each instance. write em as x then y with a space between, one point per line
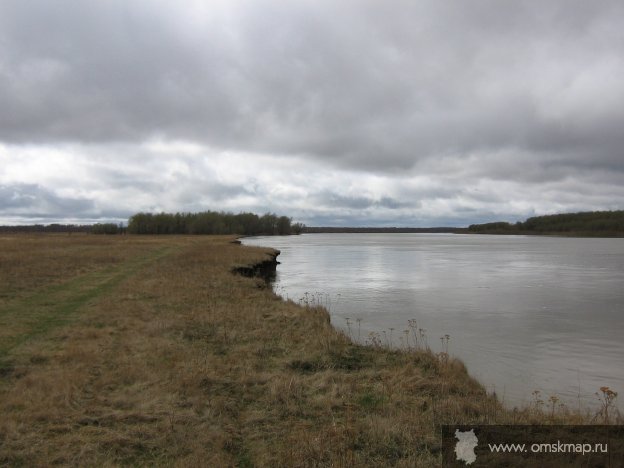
397 113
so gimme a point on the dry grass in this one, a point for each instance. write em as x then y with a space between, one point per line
158 355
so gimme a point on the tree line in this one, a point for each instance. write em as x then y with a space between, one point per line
590 223
212 222
207 222
48 228
381 230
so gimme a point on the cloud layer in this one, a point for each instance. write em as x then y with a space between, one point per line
351 112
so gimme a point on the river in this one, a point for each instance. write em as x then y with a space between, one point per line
523 313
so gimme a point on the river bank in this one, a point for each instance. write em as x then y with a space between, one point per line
524 314
148 350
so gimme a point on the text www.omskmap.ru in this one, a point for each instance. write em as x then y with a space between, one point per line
557 447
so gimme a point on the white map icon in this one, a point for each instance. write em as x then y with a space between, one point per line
464 449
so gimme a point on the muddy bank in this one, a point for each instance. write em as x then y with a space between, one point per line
265 269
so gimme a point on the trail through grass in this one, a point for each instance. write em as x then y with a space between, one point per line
33 316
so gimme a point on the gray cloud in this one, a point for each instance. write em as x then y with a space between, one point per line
333 199
458 93
24 200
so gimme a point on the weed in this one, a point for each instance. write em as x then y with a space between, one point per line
348 321
553 400
422 334
443 355
538 403
374 340
606 397
413 327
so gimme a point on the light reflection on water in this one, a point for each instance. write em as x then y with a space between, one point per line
523 313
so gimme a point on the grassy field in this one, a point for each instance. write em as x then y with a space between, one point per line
139 350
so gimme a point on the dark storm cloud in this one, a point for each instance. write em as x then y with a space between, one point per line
369 85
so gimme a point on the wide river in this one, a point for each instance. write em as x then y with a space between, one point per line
523 313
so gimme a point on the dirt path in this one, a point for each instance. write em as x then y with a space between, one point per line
34 316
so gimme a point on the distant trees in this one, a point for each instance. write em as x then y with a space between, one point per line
98 228
212 222
297 228
50 228
493 228
106 228
207 222
590 223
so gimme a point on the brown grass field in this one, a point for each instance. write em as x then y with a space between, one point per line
148 351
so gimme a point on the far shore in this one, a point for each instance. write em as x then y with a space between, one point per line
442 230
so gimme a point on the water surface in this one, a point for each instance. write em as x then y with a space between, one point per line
524 313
